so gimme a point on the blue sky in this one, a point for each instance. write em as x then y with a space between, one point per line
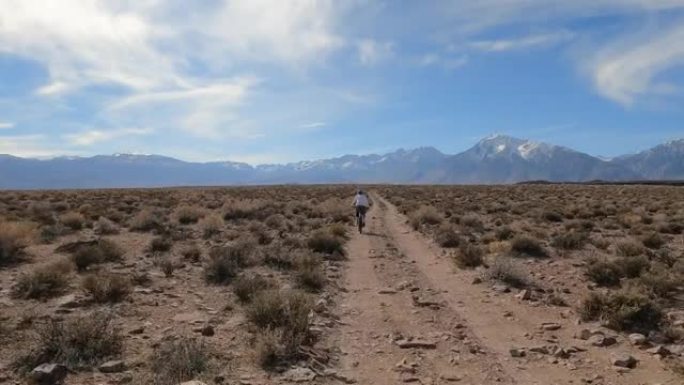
266 81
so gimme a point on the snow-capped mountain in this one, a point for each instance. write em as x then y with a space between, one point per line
495 159
665 161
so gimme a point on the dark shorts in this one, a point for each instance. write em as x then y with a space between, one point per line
361 210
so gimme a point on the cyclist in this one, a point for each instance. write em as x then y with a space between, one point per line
361 203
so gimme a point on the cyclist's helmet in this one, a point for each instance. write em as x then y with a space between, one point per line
359 191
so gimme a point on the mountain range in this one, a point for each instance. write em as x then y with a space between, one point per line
496 159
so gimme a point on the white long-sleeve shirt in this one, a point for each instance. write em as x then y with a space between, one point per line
361 200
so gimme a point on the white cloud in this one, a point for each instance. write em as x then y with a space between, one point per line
88 138
28 146
521 43
626 70
446 61
372 52
6 125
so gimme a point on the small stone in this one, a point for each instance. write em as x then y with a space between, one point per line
416 344
600 340
387 291
137 330
299 374
115 366
540 349
524 295
624 361
501 288
660 349
583 334
48 374
637 339
551 326
193 382
208 331
515 352
477 280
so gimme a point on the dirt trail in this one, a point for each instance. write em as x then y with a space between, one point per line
400 286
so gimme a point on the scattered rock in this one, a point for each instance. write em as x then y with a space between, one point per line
540 349
69 301
551 326
600 340
499 288
524 295
115 366
193 382
660 350
138 330
637 339
208 331
387 291
477 280
624 361
583 334
48 374
515 352
416 344
299 374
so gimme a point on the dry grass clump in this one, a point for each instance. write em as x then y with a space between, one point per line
246 287
446 236
161 244
673 228
309 273
147 220
552 216
42 212
522 245
653 241
79 343
104 226
191 253
426 215
14 238
629 249
268 349
284 311
633 267
504 233
472 221
225 262
189 214
573 240
73 220
623 311
104 250
468 256
604 272
506 270
658 283
177 361
106 288
44 281
323 241
211 225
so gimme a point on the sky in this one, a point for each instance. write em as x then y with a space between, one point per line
270 81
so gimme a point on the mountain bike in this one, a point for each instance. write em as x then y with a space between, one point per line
361 218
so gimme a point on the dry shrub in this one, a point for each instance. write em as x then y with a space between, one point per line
44 281
14 238
278 256
73 220
104 226
286 311
653 241
147 220
426 215
507 271
446 236
224 264
338 230
191 253
472 221
161 244
468 256
246 287
629 249
104 250
80 342
526 246
673 228
623 311
573 240
177 361
309 273
552 216
189 214
657 283
211 225
604 272
268 349
276 221
504 233
632 267
106 288
600 243
325 242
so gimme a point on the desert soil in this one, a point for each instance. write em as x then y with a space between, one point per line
409 315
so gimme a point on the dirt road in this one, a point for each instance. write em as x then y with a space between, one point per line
408 315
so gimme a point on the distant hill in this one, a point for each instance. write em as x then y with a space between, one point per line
495 159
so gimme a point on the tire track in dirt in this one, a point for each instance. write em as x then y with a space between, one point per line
390 303
501 322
